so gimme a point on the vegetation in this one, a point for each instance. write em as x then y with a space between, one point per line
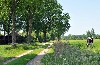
1 61
41 17
89 33
39 21
9 52
74 53
42 21
25 59
82 45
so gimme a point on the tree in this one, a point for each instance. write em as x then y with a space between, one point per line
13 11
90 33
10 11
53 17
62 24
49 7
39 16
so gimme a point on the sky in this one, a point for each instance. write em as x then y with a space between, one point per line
85 15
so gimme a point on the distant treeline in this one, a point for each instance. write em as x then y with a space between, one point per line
79 37
89 33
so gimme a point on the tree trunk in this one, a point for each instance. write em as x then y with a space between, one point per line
14 24
4 31
58 37
30 27
37 35
27 36
44 32
30 31
8 31
8 38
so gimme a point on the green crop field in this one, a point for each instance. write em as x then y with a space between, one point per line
74 52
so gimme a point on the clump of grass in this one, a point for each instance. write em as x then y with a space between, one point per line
64 54
1 60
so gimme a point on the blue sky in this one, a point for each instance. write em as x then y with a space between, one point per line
85 15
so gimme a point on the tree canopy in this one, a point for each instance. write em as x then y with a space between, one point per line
42 17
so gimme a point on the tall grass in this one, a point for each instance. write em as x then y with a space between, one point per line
65 54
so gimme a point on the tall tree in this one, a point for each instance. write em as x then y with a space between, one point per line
88 33
92 32
13 10
49 11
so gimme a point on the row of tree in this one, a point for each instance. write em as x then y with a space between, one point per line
39 16
89 33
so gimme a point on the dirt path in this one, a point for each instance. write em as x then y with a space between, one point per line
37 59
17 57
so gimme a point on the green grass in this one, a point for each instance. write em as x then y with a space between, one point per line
1 61
24 59
82 45
75 53
7 52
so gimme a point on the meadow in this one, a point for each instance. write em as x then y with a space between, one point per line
82 44
73 52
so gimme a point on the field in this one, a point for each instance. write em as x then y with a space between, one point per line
74 52
70 52
82 44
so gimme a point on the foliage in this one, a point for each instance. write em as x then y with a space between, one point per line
90 33
64 54
38 16
75 37
81 37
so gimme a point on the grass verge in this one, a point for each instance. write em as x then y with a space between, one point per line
8 52
65 54
25 59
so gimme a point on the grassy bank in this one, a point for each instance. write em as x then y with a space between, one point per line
65 54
